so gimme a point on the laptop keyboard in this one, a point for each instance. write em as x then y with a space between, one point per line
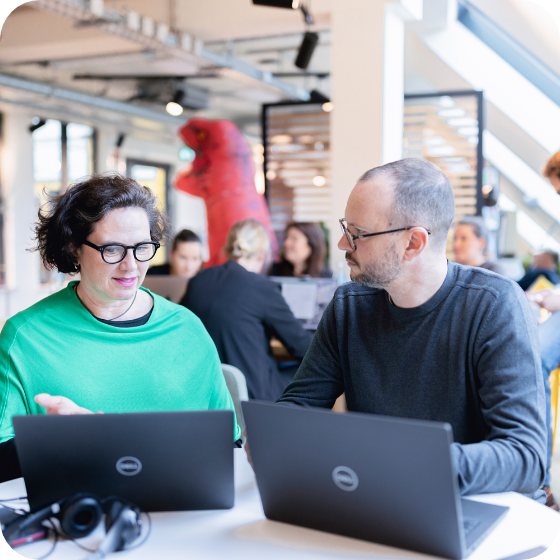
470 524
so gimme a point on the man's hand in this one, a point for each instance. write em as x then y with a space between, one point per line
60 405
547 299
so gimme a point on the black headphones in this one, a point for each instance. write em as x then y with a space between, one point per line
79 515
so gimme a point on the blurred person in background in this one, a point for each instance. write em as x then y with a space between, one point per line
303 253
242 310
185 257
544 264
552 171
549 330
470 244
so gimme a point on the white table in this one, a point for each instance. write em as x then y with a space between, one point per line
245 533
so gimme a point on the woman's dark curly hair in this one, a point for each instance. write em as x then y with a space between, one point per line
66 221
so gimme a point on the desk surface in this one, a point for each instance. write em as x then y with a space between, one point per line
244 533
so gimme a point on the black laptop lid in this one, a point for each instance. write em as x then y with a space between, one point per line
168 461
377 478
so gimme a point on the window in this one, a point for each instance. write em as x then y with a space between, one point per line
47 157
62 153
155 176
80 151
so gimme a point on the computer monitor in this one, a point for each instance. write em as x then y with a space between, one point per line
307 297
172 288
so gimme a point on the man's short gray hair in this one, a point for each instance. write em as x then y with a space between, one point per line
423 196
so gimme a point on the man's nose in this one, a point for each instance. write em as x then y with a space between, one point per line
344 245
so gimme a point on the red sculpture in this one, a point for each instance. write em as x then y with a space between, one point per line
222 174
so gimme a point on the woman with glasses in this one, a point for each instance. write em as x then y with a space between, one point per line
103 343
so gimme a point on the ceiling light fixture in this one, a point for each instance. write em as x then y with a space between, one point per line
328 106
289 4
36 124
306 50
281 139
319 181
174 107
120 140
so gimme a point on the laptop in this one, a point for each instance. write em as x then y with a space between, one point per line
172 288
160 461
378 478
307 297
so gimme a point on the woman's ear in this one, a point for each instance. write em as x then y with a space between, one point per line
75 254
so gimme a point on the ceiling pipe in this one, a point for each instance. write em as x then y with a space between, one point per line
85 99
151 35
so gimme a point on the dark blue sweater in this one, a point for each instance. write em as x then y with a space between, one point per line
469 356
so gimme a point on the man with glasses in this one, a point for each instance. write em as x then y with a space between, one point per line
417 336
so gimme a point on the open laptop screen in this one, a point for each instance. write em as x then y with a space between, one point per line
307 297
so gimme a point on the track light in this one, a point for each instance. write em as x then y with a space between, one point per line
289 4
120 140
306 49
36 123
174 107
318 97
307 17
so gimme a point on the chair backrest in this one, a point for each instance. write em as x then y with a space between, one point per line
235 381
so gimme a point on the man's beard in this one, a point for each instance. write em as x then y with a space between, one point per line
379 274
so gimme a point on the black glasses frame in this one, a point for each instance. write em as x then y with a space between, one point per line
352 238
101 249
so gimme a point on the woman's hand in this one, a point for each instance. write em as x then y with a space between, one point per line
547 299
60 405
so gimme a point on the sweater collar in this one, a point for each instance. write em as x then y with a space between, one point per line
409 314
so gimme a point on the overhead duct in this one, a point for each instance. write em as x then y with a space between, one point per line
156 36
85 99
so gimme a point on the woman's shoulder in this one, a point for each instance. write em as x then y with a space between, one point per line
158 270
282 268
173 314
38 312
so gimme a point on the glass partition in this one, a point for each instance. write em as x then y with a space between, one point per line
446 129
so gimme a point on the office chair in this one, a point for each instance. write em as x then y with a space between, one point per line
554 394
235 381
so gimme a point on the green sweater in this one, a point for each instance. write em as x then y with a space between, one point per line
56 346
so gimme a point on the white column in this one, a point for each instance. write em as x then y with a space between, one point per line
20 212
367 92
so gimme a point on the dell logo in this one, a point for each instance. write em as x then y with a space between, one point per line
129 466
345 478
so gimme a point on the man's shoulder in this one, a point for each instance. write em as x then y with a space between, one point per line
350 290
481 279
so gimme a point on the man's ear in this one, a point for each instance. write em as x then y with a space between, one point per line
417 242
